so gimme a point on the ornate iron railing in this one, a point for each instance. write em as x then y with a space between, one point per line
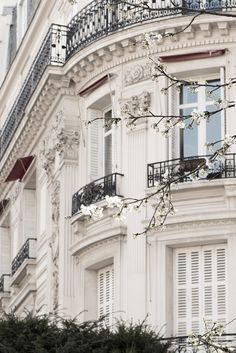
94 21
179 169
96 191
102 17
52 51
183 344
4 283
27 251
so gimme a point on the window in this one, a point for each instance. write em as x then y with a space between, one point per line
192 141
105 282
199 288
100 152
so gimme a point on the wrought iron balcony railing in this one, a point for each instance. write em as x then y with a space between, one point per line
5 283
27 251
94 21
183 344
102 17
180 169
96 191
52 51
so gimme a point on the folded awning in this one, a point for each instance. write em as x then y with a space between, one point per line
3 205
94 86
20 168
192 56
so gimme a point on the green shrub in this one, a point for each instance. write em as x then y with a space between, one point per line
42 334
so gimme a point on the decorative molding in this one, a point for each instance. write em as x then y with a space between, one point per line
138 105
99 244
137 73
54 241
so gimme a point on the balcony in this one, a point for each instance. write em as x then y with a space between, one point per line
5 283
180 168
100 17
94 21
96 191
26 256
51 52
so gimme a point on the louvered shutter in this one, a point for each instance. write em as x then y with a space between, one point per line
106 293
29 214
175 133
95 152
200 288
4 250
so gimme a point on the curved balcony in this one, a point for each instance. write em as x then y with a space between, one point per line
96 191
102 17
94 21
180 168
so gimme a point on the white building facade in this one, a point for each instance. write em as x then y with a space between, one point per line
65 65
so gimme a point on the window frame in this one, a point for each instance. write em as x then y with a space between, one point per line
201 104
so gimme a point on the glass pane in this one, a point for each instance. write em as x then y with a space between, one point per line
187 96
216 92
190 136
108 154
213 127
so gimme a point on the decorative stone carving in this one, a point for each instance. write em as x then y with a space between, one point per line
138 73
66 140
137 105
16 192
47 157
54 241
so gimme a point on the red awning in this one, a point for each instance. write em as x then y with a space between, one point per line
95 85
3 205
192 56
20 168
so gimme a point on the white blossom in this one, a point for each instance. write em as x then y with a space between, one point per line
202 173
198 115
113 201
92 211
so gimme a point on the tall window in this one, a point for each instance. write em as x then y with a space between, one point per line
192 141
199 288
107 143
105 282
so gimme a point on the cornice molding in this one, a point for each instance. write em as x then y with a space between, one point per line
92 62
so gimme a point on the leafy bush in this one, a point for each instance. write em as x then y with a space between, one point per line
42 334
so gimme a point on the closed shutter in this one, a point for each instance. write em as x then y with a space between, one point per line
106 293
5 251
29 214
95 152
200 288
175 133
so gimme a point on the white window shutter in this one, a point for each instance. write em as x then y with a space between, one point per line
174 110
200 288
5 250
106 293
95 150
181 293
29 214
